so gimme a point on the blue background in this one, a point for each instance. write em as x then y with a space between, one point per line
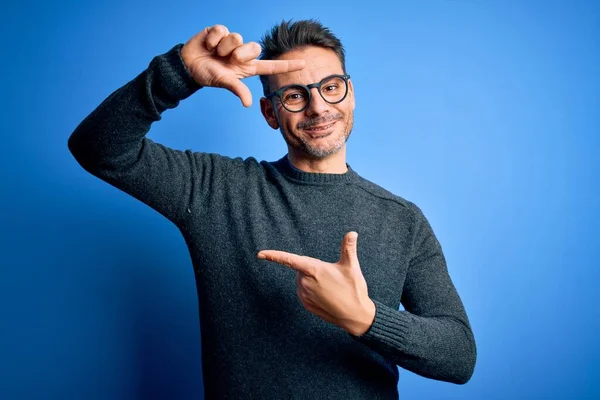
484 113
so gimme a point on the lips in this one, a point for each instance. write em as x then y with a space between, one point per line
320 129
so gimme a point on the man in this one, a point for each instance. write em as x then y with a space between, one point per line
285 311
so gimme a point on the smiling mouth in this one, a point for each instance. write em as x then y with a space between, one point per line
320 129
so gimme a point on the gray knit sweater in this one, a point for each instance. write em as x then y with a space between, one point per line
258 341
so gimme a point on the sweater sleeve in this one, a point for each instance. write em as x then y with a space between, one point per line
110 143
432 336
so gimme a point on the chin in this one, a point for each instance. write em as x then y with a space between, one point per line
302 142
331 145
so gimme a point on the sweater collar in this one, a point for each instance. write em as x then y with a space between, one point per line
286 168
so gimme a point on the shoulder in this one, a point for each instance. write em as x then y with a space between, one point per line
379 192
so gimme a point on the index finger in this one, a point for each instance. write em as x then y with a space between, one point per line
271 67
299 263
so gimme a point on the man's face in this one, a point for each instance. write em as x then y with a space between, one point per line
322 129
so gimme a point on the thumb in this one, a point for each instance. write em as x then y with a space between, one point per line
349 256
236 87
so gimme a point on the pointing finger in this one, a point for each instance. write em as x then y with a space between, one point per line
302 264
271 67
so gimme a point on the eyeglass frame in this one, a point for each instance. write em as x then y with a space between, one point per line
308 88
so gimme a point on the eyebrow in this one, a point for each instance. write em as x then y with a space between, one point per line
303 84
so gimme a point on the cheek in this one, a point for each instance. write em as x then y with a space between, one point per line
289 122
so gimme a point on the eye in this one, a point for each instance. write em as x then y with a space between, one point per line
330 87
293 96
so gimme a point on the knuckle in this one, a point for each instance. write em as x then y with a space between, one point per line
236 57
316 274
303 284
236 37
218 28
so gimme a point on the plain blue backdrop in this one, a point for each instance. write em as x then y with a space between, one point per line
484 113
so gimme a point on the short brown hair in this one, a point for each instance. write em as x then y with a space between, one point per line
288 36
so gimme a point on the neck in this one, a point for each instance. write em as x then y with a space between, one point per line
333 164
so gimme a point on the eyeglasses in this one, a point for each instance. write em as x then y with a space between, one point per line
295 98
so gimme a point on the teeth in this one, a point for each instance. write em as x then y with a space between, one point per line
320 129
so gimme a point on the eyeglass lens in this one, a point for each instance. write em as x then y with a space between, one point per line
332 90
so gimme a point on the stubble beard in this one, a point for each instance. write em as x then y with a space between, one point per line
298 142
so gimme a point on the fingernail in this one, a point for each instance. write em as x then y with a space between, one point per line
352 237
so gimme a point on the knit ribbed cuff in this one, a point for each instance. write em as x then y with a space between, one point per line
389 328
175 78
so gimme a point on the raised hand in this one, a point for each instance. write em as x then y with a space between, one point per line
217 58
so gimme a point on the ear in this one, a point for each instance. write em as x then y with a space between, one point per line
266 108
351 93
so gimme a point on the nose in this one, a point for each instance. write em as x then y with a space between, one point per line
317 105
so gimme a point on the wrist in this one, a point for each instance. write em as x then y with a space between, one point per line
364 320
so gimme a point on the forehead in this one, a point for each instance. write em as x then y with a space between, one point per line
320 62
